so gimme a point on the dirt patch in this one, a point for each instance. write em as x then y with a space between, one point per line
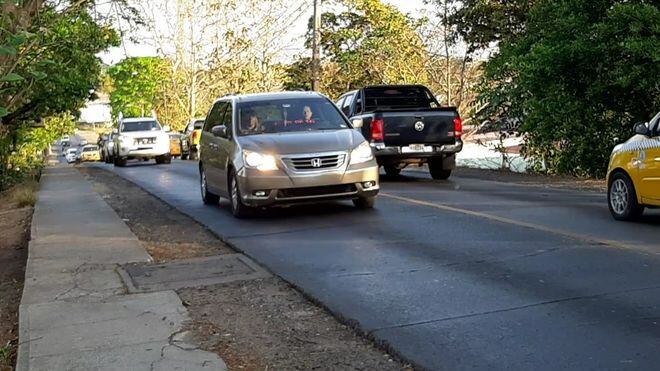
164 232
534 179
265 324
540 180
15 226
262 324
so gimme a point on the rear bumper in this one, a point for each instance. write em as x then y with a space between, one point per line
393 155
279 187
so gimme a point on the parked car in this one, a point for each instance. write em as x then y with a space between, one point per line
108 149
271 149
141 138
175 144
406 126
633 175
192 135
71 155
90 153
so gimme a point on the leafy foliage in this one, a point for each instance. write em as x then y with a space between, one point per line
367 43
578 74
48 65
137 85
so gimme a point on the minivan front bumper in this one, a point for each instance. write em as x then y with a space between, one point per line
259 188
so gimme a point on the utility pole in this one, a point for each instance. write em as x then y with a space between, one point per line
316 46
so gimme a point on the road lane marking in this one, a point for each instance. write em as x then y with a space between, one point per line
501 219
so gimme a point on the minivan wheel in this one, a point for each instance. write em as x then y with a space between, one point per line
239 209
207 197
365 202
622 198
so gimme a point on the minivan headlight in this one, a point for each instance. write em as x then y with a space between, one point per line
361 153
259 161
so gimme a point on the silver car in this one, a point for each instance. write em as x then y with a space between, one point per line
272 149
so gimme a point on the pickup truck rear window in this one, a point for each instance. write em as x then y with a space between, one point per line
393 98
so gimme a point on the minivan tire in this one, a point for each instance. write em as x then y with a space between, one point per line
207 197
238 208
365 202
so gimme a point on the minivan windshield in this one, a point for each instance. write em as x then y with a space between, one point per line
140 126
289 115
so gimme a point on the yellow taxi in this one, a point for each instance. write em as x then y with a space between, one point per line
90 153
633 176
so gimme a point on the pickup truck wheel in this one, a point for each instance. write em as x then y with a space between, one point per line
364 202
622 198
121 162
167 159
392 171
207 197
238 209
437 172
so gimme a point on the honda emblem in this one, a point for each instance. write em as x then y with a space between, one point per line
316 162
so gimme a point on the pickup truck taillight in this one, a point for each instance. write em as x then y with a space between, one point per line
458 127
378 130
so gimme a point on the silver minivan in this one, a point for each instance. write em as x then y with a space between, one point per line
272 149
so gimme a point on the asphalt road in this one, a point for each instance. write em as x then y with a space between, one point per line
460 274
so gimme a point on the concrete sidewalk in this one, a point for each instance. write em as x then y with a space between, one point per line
75 313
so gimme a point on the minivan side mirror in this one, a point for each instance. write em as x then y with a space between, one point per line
219 131
167 128
357 123
641 128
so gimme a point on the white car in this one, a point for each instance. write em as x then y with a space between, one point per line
142 138
71 155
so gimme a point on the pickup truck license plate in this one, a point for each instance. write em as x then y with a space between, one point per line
416 148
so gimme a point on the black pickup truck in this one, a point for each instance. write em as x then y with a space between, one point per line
406 126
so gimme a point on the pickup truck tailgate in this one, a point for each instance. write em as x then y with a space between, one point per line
418 127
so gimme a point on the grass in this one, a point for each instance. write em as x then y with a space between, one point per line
25 194
6 353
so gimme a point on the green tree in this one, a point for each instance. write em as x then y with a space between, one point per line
137 85
578 75
368 42
48 66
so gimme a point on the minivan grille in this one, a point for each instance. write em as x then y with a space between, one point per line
316 162
340 189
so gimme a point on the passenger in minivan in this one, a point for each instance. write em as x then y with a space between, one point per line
308 114
251 123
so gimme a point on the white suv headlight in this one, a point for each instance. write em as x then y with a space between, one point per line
361 153
259 161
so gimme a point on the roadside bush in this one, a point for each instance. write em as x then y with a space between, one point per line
22 153
579 76
25 194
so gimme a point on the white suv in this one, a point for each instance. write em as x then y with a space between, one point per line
142 138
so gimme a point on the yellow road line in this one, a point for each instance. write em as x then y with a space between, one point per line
501 219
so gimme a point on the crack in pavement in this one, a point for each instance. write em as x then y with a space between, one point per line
504 310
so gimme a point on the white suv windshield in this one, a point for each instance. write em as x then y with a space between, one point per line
140 126
287 115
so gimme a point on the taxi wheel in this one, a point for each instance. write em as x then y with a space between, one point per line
622 198
238 208
207 197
